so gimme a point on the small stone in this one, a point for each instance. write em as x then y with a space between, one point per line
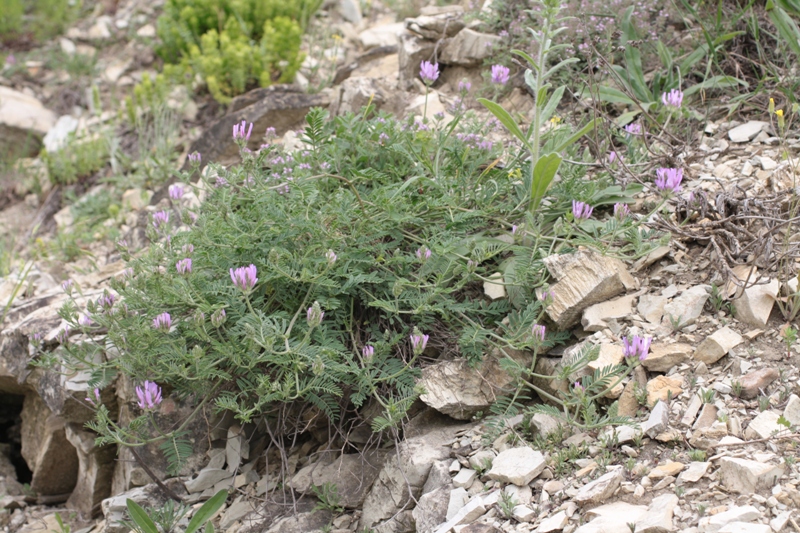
148 31
694 472
651 307
764 425
557 522
237 510
707 417
523 513
494 289
745 476
717 345
671 468
517 465
663 388
207 478
691 411
481 460
553 486
136 199
780 521
596 317
658 518
350 10
767 163
464 478
600 489
747 131
717 521
458 499
792 410
612 518
658 421
755 305
468 48
684 309
754 382
662 357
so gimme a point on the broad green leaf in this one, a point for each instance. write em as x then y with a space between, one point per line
551 105
503 116
791 6
665 55
786 26
560 65
526 57
613 96
530 79
626 118
207 511
715 82
209 527
692 59
139 516
578 134
543 174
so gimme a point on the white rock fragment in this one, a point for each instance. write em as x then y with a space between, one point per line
792 410
658 422
747 131
744 527
495 289
745 513
557 522
694 473
717 345
658 518
745 476
764 425
523 513
595 317
684 309
517 465
600 489
755 305
613 517
458 499
464 478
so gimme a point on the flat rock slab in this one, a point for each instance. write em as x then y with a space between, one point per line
745 476
755 305
612 518
584 278
684 310
747 131
662 357
744 513
600 489
764 425
717 345
754 382
519 466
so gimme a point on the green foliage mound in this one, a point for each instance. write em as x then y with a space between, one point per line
235 44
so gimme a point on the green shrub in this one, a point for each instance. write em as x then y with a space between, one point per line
235 44
11 12
43 18
78 159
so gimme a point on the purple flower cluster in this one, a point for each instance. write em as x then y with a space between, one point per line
176 192
314 315
368 351
160 218
474 141
429 72
195 158
149 395
621 211
538 331
500 74
634 128
240 131
581 210
423 253
106 301
674 98
418 342
636 347
67 286
218 318
331 256
668 180
244 278
85 320
162 322
96 400
63 336
184 266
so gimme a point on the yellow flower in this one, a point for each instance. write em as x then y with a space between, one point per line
771 105
555 120
779 112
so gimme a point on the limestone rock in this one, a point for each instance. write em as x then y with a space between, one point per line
764 425
469 48
458 499
557 522
792 410
584 278
494 289
95 469
50 456
350 10
404 474
658 518
517 465
662 357
595 317
435 26
413 51
431 510
747 131
600 489
206 479
612 517
379 36
658 422
58 135
23 122
355 93
684 309
745 527
755 305
745 513
754 382
474 509
277 106
651 307
717 345
456 389
693 473
662 388
745 476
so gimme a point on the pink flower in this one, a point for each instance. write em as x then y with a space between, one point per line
581 211
429 72
418 342
96 400
149 395
538 331
636 347
184 266
175 192
674 98
500 74
239 131
668 180
162 322
244 278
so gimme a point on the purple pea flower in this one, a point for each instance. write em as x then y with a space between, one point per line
162 322
160 218
578 387
195 158
668 180
538 331
423 253
581 210
270 133
67 286
500 74
107 300
612 157
674 98
149 395
184 266
418 341
464 86
331 256
547 296
514 229
188 248
96 400
621 211
368 351
636 347
314 315
218 318
429 72
175 192
85 320
239 131
634 129
244 278
63 336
